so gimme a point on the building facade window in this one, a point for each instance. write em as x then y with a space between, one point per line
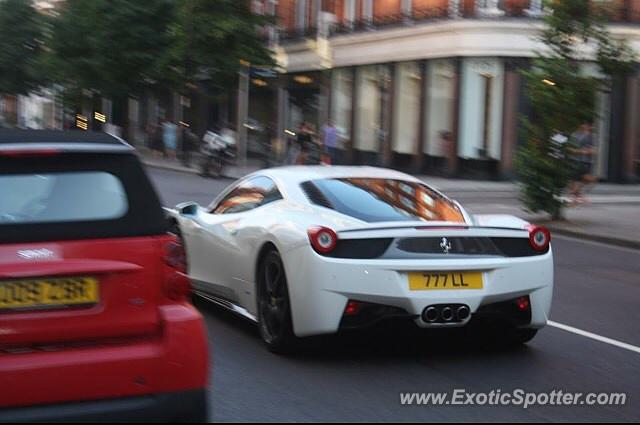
407 108
304 100
349 11
367 10
301 15
342 100
369 108
440 106
407 7
602 124
481 108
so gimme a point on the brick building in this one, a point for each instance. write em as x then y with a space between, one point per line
429 85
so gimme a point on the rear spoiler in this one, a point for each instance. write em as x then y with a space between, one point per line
422 229
421 225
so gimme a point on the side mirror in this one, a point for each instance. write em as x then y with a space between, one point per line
188 208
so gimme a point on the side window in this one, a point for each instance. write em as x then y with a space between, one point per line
250 194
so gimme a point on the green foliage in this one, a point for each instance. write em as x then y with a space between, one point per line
211 41
119 48
545 173
113 47
562 98
20 43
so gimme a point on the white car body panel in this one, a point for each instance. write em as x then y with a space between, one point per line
223 252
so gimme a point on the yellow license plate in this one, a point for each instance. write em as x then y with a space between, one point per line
426 281
43 293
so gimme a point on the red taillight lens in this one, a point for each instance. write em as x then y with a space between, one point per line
26 153
175 256
539 237
523 303
177 284
352 308
323 239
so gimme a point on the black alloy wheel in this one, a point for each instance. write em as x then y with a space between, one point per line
274 308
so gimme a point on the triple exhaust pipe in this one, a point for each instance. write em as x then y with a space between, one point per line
446 313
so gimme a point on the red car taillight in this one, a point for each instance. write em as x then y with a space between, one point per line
177 284
26 153
323 239
176 256
539 237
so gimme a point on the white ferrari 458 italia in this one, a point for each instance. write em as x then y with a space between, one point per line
311 250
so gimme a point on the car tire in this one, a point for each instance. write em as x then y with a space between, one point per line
274 307
501 335
521 336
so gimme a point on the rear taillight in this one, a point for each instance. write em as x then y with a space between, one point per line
26 153
523 303
539 237
323 239
175 256
177 284
352 308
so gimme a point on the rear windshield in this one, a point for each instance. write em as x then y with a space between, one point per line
76 196
378 200
47 198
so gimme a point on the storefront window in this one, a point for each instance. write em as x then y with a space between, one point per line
440 106
369 118
601 124
341 100
303 100
407 107
481 108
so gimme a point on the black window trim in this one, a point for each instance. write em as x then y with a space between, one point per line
140 191
301 186
222 196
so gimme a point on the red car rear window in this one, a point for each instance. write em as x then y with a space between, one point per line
76 196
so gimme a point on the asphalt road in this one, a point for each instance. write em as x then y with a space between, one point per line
360 377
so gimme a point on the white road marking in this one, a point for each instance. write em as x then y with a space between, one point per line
596 337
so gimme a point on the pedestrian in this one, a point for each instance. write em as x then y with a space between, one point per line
157 145
447 147
189 144
293 149
330 141
311 151
170 139
303 139
582 153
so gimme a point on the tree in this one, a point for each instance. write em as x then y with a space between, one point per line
211 41
20 41
114 48
562 97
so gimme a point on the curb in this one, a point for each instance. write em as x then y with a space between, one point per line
168 167
619 242
185 170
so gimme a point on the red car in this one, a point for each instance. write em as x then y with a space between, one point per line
95 318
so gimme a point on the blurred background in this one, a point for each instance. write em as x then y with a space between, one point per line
427 86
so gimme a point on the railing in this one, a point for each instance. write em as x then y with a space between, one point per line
619 11
297 34
627 12
430 13
515 8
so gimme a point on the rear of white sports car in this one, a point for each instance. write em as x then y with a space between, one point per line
443 272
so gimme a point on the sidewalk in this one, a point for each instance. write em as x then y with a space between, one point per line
613 215
229 172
